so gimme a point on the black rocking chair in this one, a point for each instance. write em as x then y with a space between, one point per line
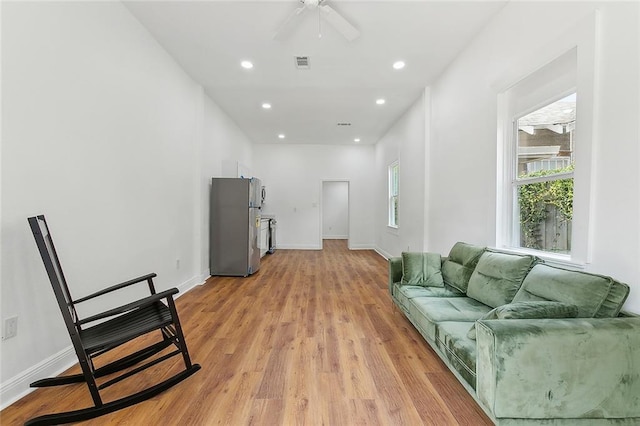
111 329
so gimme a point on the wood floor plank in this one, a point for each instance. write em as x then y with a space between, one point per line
310 339
455 397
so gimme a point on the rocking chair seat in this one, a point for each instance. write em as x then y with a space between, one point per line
124 328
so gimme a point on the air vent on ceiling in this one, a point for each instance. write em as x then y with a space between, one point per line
302 62
344 124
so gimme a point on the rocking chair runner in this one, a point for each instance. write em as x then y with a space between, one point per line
114 328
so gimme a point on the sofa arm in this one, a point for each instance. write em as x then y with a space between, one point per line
395 272
559 368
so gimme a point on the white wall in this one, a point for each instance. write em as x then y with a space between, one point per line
405 142
335 210
293 176
224 146
616 236
463 131
107 136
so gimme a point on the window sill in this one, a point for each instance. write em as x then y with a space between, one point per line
561 260
392 229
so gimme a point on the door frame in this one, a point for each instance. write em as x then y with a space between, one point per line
321 218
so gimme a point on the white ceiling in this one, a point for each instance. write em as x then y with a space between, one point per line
209 39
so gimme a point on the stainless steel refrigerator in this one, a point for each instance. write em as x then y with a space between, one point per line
235 226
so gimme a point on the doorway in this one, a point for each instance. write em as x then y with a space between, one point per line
334 215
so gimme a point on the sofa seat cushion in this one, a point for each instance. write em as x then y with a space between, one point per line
498 277
411 291
404 293
459 350
594 295
459 265
433 310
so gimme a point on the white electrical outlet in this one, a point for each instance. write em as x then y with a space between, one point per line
10 328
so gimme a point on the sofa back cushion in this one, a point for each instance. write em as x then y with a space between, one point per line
421 269
595 295
498 276
459 265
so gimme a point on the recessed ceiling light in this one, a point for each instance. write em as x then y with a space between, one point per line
246 65
281 136
266 105
356 140
398 65
380 101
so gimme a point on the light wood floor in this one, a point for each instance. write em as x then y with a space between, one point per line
311 339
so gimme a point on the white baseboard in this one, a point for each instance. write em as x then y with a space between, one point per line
190 284
361 247
204 277
303 247
18 386
297 247
383 253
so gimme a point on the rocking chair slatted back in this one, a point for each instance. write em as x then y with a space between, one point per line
52 265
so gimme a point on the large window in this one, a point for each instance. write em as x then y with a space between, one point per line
545 136
545 193
393 194
543 181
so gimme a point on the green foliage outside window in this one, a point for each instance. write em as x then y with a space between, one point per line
536 198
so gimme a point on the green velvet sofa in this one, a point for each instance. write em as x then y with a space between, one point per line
532 343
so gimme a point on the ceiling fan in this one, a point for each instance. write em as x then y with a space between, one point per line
325 11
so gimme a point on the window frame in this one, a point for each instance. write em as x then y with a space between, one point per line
393 170
517 181
582 38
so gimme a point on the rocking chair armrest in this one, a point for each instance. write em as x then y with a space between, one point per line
167 294
118 287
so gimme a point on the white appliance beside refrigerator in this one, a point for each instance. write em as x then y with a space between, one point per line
235 226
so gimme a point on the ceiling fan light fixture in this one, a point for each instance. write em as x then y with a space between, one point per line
356 140
329 14
246 65
281 136
398 65
380 101
266 105
311 4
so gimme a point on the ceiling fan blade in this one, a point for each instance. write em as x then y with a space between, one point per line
288 22
339 23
